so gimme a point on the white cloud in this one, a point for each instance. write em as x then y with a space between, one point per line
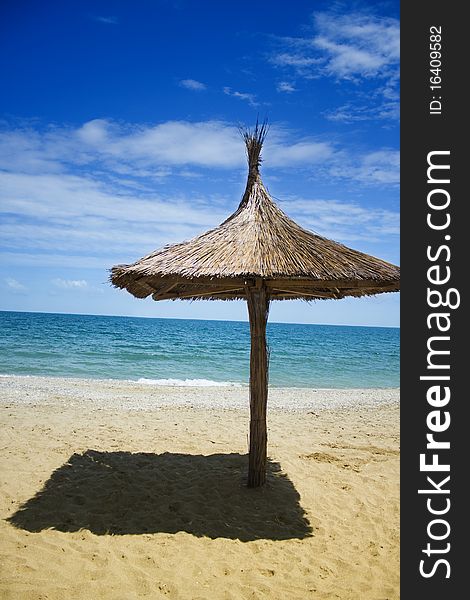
172 143
72 195
356 47
28 151
124 148
305 153
142 151
76 215
14 285
381 167
285 86
75 285
92 133
343 221
250 98
350 113
299 61
70 284
193 84
87 196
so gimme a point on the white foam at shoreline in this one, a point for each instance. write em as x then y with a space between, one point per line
187 382
132 395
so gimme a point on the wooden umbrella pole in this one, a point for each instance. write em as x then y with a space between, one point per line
258 307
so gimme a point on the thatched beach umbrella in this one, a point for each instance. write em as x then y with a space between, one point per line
257 254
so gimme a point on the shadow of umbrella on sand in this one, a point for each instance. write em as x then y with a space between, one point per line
258 254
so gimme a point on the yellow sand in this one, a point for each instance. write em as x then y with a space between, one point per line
100 500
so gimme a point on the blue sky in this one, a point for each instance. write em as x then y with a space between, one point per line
119 134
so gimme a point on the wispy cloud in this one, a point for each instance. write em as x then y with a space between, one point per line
285 86
146 151
61 260
79 216
80 286
70 284
193 84
89 196
250 98
350 113
345 47
381 167
357 45
102 159
294 58
303 152
354 47
345 221
107 20
15 285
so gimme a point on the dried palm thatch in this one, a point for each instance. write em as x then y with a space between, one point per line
258 254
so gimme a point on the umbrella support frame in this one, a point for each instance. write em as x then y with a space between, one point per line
258 308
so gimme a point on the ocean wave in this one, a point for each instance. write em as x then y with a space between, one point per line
188 382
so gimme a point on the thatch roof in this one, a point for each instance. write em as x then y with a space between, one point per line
258 241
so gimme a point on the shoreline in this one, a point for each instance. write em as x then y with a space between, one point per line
182 382
134 395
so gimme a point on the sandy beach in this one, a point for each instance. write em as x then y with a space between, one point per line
118 490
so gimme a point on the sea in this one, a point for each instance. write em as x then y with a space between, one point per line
189 352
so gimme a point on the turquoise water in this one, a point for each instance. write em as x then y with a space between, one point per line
176 351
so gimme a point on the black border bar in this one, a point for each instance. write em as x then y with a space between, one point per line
433 206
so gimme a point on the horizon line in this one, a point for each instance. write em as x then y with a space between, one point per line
42 312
